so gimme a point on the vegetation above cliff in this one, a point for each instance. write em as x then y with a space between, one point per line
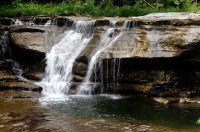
123 8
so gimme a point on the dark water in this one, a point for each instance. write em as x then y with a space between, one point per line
131 108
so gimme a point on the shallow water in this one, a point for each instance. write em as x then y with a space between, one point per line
111 113
130 108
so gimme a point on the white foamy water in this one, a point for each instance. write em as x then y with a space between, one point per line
61 58
112 96
48 23
18 22
107 41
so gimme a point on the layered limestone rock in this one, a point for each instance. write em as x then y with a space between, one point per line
153 51
28 38
35 38
150 36
159 35
9 81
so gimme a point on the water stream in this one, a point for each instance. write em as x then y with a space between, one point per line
4 44
61 58
107 42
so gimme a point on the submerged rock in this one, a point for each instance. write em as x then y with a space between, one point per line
192 100
166 100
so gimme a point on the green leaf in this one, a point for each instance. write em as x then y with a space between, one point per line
198 122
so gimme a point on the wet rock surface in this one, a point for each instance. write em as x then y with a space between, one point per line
10 81
29 38
151 35
152 52
19 86
158 77
166 100
35 75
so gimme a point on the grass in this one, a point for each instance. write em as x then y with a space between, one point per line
77 8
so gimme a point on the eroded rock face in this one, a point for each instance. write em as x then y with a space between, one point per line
156 46
158 77
9 81
29 38
158 35
35 38
150 36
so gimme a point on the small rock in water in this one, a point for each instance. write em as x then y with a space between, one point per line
1 126
143 128
161 100
192 100
182 100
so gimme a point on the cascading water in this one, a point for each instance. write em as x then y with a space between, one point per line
4 47
115 72
106 43
5 53
18 22
48 23
62 56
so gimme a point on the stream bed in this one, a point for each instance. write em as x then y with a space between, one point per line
29 111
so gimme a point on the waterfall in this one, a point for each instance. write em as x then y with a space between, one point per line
115 66
18 22
107 41
32 21
48 23
4 44
60 60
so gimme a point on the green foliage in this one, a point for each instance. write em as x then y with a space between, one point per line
125 11
198 122
89 8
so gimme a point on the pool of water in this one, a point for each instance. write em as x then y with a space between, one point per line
98 113
140 108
